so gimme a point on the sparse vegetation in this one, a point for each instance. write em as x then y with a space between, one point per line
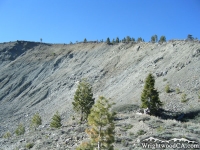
141 132
128 126
125 108
20 130
36 120
29 145
7 135
83 99
164 79
56 121
178 91
150 96
198 95
160 129
167 88
183 98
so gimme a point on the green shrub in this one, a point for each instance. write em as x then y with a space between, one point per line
29 145
56 121
131 134
20 130
128 126
36 120
178 91
7 135
164 79
141 132
198 95
167 88
160 129
183 98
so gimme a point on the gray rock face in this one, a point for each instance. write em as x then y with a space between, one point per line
38 77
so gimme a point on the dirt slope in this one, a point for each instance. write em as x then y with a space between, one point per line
37 77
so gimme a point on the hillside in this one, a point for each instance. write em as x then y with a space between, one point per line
39 77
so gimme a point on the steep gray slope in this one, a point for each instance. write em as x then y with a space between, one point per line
43 78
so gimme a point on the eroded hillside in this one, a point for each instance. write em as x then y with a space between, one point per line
39 77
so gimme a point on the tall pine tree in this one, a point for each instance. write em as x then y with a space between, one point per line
101 122
83 99
150 96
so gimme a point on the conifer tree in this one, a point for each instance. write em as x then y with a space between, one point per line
101 122
153 39
117 40
20 129
150 96
113 41
156 38
36 120
139 39
162 39
56 121
83 99
108 41
85 40
128 39
133 39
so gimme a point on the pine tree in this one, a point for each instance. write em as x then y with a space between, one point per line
150 96
83 99
85 40
108 41
56 121
128 39
139 39
162 39
156 38
101 122
190 37
124 40
20 129
133 39
117 40
36 120
153 39
113 41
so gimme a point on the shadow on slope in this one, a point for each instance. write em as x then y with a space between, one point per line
190 116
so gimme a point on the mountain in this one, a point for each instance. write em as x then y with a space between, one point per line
41 77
